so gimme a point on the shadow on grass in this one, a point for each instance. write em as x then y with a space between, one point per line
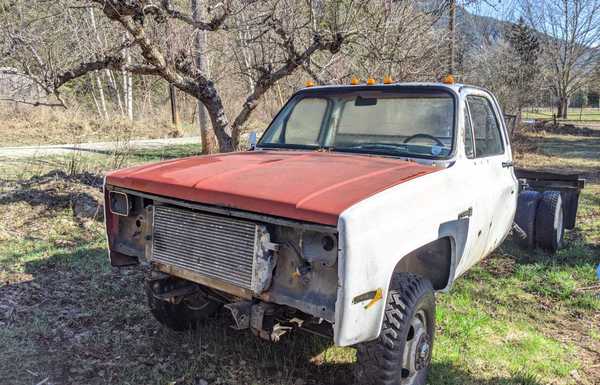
53 190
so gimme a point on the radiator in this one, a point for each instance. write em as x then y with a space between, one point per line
214 246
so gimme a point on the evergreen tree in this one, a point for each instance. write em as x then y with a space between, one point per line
524 69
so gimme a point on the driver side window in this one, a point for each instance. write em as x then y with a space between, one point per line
488 140
469 148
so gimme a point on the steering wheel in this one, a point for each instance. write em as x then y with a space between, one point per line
426 136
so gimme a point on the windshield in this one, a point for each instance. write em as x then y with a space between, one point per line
403 123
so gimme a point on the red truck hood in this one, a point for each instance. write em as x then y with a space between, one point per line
308 186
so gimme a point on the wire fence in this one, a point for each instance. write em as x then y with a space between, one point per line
586 114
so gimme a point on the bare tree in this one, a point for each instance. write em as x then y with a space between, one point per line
282 28
572 33
255 48
397 39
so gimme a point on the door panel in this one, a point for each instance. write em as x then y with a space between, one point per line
494 189
473 179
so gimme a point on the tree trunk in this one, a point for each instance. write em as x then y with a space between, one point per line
112 84
201 62
451 32
563 105
101 96
172 90
174 111
127 84
129 89
220 124
94 95
96 74
125 96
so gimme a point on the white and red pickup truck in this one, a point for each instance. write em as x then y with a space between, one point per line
354 207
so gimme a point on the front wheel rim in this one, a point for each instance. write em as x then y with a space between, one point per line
417 349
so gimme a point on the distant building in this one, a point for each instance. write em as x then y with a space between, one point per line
14 85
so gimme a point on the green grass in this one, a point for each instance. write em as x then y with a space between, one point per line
517 318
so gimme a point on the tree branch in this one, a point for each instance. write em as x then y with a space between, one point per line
212 25
294 60
112 62
34 103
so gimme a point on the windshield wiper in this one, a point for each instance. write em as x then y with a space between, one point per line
377 146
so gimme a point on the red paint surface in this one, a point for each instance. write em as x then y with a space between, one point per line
308 186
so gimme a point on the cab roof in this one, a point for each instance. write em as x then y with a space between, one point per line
454 88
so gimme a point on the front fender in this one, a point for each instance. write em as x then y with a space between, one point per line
376 234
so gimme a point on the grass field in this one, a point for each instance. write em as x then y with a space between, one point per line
67 317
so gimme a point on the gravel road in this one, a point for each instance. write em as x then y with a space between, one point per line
100 147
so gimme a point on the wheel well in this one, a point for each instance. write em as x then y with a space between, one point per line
432 261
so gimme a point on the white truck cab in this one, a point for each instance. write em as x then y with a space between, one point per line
468 205
354 207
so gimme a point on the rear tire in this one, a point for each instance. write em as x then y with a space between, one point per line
181 316
525 216
402 353
550 221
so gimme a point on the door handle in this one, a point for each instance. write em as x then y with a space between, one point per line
466 214
507 164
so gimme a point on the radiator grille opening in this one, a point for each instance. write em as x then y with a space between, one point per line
217 247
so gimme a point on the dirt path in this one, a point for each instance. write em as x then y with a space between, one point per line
100 147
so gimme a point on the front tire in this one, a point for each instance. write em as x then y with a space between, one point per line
183 315
401 355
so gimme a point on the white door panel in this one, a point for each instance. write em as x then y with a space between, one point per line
478 229
493 184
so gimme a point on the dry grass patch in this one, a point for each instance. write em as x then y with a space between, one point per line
40 126
559 152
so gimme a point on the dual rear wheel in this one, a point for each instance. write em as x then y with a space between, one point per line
541 217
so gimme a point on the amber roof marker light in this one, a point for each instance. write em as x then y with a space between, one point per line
388 80
309 83
370 81
354 81
448 79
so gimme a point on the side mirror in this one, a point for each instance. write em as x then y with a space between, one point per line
252 140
